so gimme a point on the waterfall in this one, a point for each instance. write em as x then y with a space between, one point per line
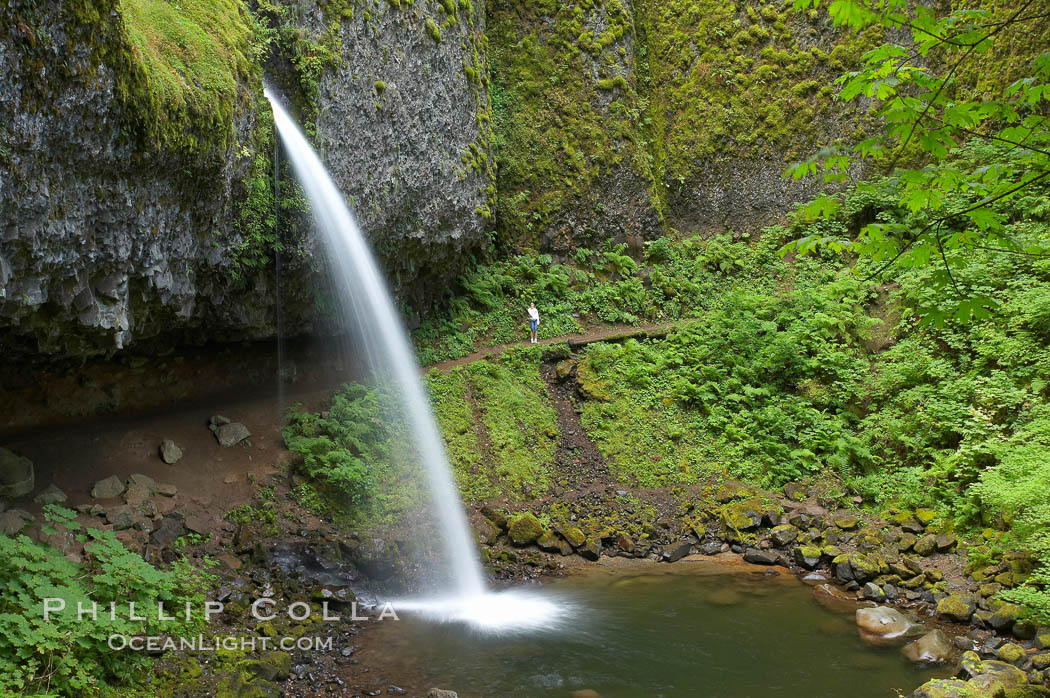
385 343
357 279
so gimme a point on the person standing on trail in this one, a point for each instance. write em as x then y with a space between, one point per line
534 322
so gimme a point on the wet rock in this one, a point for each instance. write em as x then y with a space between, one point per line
969 665
497 517
12 522
198 525
865 567
231 434
807 556
590 550
524 529
675 551
932 648
216 421
761 557
170 453
123 517
16 475
873 592
395 690
144 481
549 542
883 625
834 598
108 488
906 542
137 496
51 495
956 607
441 693
926 545
486 531
625 543
783 536
711 548
167 532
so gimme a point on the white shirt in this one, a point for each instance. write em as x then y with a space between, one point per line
534 314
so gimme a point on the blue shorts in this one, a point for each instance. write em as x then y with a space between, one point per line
534 324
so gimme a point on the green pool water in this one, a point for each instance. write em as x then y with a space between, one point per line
662 631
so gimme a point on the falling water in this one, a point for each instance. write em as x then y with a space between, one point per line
357 278
386 345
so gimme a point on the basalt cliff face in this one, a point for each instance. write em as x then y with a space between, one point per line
138 199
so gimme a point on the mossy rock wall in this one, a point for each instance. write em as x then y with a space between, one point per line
402 119
128 130
625 119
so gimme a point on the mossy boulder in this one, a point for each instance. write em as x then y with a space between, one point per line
590 550
1004 617
946 542
550 542
1041 661
783 536
1011 653
866 567
272 666
1042 639
847 522
1007 674
944 688
956 607
926 545
572 534
524 528
807 556
741 516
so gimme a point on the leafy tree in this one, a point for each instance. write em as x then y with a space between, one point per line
928 103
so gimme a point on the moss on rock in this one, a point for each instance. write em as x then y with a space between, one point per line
956 607
524 528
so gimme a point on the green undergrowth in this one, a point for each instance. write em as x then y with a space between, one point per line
62 655
674 279
499 427
837 378
359 454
